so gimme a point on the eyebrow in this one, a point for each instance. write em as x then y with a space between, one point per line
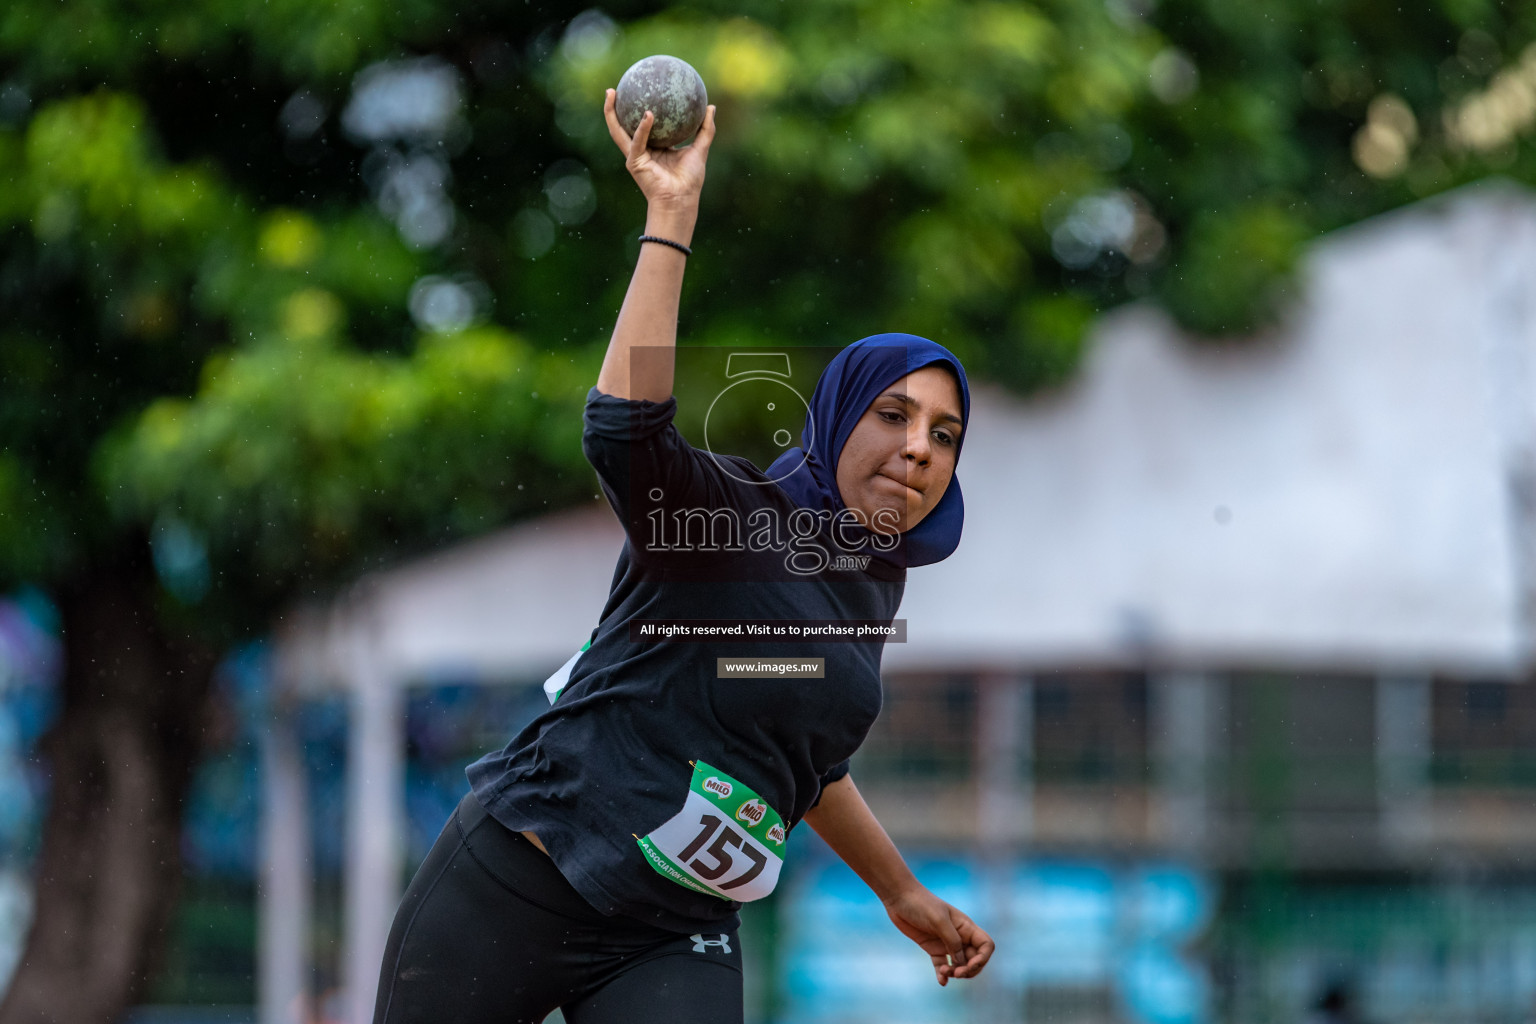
914 403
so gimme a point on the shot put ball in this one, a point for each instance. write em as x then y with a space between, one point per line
671 90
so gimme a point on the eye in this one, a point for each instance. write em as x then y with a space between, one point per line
890 416
944 437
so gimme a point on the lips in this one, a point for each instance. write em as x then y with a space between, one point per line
900 483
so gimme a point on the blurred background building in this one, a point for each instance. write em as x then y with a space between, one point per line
1219 713
1222 713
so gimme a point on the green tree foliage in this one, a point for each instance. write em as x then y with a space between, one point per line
995 174
217 306
196 348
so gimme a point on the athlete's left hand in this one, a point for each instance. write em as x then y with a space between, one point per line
956 944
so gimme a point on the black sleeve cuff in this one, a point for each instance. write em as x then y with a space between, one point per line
625 419
837 771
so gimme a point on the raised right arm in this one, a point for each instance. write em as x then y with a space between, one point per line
671 180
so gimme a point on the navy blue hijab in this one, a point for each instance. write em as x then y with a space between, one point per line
851 381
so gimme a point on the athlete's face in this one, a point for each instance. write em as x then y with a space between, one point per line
900 457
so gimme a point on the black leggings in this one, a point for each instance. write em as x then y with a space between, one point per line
490 931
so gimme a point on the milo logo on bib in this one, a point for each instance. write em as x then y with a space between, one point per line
752 812
726 841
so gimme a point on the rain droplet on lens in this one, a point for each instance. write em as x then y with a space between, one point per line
568 187
415 100
1172 76
589 37
15 101
446 305
534 233
302 116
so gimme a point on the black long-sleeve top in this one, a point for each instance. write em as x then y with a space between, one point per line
612 759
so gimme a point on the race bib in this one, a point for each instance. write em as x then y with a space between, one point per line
725 841
554 686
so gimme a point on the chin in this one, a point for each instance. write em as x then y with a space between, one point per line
900 519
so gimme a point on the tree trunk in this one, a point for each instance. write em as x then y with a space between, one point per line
120 758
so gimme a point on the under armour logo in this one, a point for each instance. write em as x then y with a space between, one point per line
701 944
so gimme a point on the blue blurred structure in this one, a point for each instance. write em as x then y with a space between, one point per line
224 810
29 667
226 823
1087 926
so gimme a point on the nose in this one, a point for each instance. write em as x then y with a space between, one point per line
918 447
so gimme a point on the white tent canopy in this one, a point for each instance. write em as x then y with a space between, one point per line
1352 491
509 606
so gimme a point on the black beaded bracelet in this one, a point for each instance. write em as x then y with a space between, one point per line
679 246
